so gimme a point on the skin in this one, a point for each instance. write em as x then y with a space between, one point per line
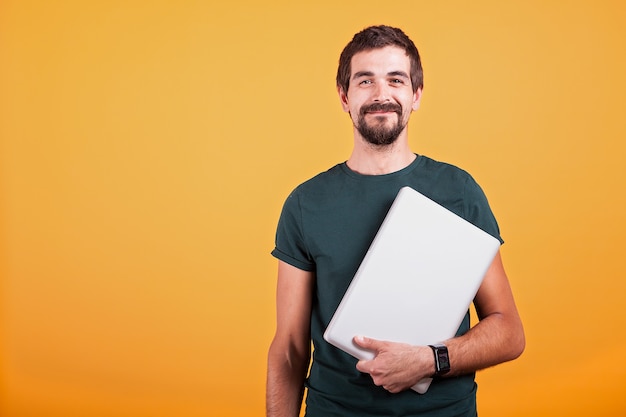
290 351
381 76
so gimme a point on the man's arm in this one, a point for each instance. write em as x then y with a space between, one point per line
290 351
497 338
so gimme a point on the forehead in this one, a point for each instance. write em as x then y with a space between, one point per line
380 61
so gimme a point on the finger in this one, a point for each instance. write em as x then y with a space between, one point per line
362 366
392 389
366 366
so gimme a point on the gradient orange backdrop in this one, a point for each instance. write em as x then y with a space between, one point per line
147 147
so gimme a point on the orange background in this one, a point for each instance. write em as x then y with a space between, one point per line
147 148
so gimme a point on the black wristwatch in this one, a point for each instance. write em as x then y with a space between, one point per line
442 360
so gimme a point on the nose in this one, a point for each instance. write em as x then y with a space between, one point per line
381 92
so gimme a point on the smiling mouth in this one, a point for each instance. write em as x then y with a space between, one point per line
381 114
381 109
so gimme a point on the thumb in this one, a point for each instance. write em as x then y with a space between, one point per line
366 342
369 344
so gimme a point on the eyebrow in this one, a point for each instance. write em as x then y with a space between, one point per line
398 74
359 74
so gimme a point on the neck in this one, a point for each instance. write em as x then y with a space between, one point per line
368 159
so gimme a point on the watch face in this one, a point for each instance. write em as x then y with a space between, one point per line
442 359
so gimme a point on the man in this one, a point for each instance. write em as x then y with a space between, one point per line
324 231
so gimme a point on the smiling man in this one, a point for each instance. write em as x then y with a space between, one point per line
324 231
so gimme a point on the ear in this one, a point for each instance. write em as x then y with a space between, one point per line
343 97
417 97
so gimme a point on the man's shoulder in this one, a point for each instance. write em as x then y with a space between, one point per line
322 182
434 165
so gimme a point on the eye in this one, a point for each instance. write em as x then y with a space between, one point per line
364 82
397 81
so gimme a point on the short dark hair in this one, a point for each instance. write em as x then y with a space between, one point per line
375 37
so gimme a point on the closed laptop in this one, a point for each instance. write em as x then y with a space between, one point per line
417 280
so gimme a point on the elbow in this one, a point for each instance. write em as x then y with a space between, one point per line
517 343
518 349
289 354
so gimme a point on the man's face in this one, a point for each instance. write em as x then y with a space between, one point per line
380 98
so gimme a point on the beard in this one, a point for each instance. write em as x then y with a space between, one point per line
379 133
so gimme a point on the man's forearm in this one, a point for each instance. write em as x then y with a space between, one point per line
285 386
494 340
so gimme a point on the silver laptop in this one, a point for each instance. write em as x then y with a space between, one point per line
417 280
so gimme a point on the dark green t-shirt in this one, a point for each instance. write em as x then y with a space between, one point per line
326 226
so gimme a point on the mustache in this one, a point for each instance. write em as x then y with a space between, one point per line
381 107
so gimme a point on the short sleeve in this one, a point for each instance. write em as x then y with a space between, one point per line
477 210
290 243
